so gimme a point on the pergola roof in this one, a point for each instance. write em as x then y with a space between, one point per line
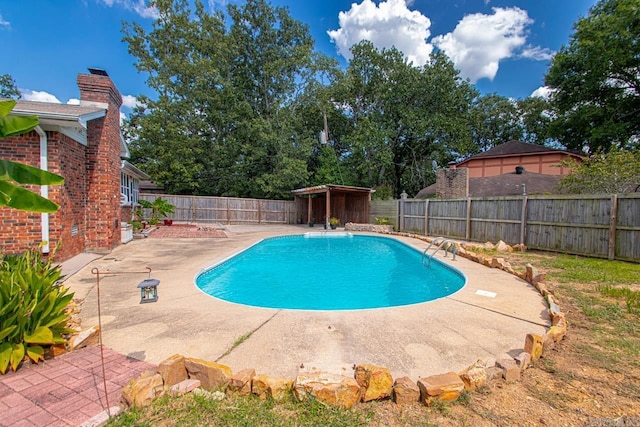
318 189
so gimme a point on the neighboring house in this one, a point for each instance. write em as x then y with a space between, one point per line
508 169
507 184
150 187
83 143
505 157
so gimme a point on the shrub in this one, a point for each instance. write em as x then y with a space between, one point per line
160 208
383 221
32 308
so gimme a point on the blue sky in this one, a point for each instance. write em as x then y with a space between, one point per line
503 46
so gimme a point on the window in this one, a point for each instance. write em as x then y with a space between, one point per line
129 187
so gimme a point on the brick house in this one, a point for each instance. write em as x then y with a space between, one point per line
505 157
508 169
83 143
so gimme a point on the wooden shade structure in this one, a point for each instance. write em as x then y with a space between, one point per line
318 204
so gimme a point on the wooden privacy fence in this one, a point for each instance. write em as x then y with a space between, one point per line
605 226
227 210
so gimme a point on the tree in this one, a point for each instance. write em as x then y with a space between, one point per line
596 80
403 117
8 88
226 119
496 120
617 171
13 175
535 118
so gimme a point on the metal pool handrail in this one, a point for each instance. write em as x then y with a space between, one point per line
441 242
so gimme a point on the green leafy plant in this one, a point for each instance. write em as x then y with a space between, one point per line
383 221
160 208
334 221
32 308
13 175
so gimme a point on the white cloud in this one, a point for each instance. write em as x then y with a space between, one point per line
138 6
537 53
41 96
130 101
3 23
479 41
216 4
543 92
73 101
389 24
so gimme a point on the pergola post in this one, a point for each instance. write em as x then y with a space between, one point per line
327 208
309 210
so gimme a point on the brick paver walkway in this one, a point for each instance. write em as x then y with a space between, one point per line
67 390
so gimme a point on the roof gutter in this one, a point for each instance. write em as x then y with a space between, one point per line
44 189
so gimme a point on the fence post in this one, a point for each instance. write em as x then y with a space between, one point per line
523 220
613 219
403 199
194 215
426 217
467 233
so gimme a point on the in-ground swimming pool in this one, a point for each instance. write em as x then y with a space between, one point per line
329 271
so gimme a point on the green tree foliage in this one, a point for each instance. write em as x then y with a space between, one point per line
617 171
596 78
535 116
8 88
496 120
226 119
403 117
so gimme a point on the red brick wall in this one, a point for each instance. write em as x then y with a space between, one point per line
68 156
103 165
89 199
20 230
126 214
452 183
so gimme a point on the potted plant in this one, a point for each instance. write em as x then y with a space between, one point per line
333 222
160 208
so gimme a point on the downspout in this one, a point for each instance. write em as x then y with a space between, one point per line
44 189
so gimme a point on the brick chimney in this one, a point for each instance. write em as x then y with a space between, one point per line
102 161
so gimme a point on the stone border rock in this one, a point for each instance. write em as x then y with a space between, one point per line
178 374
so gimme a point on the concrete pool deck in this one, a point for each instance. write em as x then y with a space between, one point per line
416 341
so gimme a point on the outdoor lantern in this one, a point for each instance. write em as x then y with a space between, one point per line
148 290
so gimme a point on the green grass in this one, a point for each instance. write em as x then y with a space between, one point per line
576 269
631 297
194 410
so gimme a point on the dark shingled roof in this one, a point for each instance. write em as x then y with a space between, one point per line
507 184
513 147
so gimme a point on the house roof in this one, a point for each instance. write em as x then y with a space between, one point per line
66 118
516 148
507 184
133 171
62 113
318 189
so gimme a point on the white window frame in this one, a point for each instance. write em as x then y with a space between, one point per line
129 190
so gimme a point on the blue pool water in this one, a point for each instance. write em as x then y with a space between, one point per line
336 272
